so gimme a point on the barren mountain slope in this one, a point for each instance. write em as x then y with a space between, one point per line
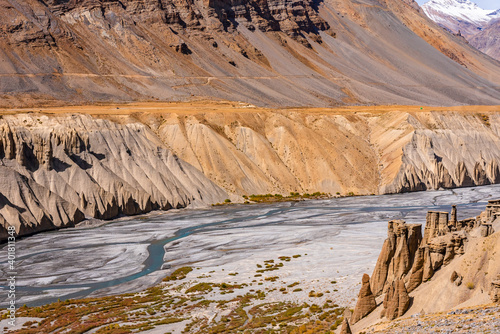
139 158
268 53
488 40
249 152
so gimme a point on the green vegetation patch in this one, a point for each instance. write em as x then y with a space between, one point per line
178 274
268 198
200 287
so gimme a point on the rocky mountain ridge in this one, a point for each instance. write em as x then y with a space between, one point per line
272 53
460 12
488 39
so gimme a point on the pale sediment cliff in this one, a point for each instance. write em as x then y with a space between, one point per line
360 152
56 169
452 265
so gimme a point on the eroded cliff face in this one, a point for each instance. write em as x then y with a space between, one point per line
138 160
364 153
55 171
446 150
452 264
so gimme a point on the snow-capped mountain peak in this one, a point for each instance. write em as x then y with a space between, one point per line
441 11
479 26
495 14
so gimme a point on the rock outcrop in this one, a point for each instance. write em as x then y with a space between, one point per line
440 243
55 171
486 230
492 211
396 300
398 254
408 260
345 328
495 290
366 301
456 278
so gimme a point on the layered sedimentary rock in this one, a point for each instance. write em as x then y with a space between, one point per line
366 301
55 171
245 150
401 268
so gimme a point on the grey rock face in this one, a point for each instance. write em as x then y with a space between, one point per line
56 170
431 159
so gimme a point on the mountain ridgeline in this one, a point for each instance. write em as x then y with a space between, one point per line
479 26
269 53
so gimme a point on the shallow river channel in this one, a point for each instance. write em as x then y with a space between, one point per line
341 237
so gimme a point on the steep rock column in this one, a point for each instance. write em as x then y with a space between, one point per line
397 256
431 225
396 301
7 143
453 223
379 275
366 301
428 270
401 263
443 223
417 270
